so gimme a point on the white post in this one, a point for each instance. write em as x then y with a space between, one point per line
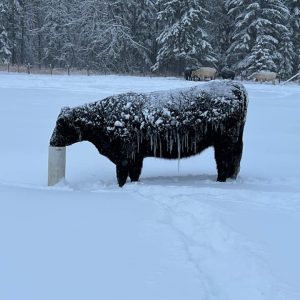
56 164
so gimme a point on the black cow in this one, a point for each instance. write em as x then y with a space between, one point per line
227 73
188 73
128 127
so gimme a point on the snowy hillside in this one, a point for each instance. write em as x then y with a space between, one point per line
177 234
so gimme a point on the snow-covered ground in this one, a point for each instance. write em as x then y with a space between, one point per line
172 236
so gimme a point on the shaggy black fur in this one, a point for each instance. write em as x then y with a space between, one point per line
226 73
129 127
188 73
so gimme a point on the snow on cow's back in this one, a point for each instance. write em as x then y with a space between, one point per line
218 89
212 102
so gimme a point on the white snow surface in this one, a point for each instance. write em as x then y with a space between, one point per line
175 234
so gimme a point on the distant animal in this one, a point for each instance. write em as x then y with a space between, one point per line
227 73
188 73
204 72
264 76
175 124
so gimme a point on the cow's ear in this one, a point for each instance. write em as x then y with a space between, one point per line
65 110
65 116
61 121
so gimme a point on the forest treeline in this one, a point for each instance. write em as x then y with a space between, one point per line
152 35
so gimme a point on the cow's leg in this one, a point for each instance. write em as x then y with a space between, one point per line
221 156
228 154
122 169
135 169
234 159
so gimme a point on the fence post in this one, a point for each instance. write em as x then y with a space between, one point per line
8 67
18 68
51 69
28 68
88 70
68 66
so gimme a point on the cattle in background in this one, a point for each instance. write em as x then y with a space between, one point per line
264 76
227 73
203 73
188 73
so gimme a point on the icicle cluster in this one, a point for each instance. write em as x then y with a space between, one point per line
176 120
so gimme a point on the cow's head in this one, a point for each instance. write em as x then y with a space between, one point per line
65 132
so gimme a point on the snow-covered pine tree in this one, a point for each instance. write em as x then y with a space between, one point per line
90 33
141 20
5 53
126 36
131 33
263 53
117 34
183 39
287 56
57 32
256 34
34 20
219 30
294 7
14 10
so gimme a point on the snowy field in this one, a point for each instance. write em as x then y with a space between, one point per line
177 234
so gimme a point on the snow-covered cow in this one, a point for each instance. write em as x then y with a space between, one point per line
204 72
264 76
128 127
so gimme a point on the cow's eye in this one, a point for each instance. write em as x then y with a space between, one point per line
60 122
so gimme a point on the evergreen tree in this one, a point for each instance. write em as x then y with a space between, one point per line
90 33
5 53
14 10
183 39
142 24
36 42
117 34
287 56
294 7
219 30
256 34
131 37
167 35
58 34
